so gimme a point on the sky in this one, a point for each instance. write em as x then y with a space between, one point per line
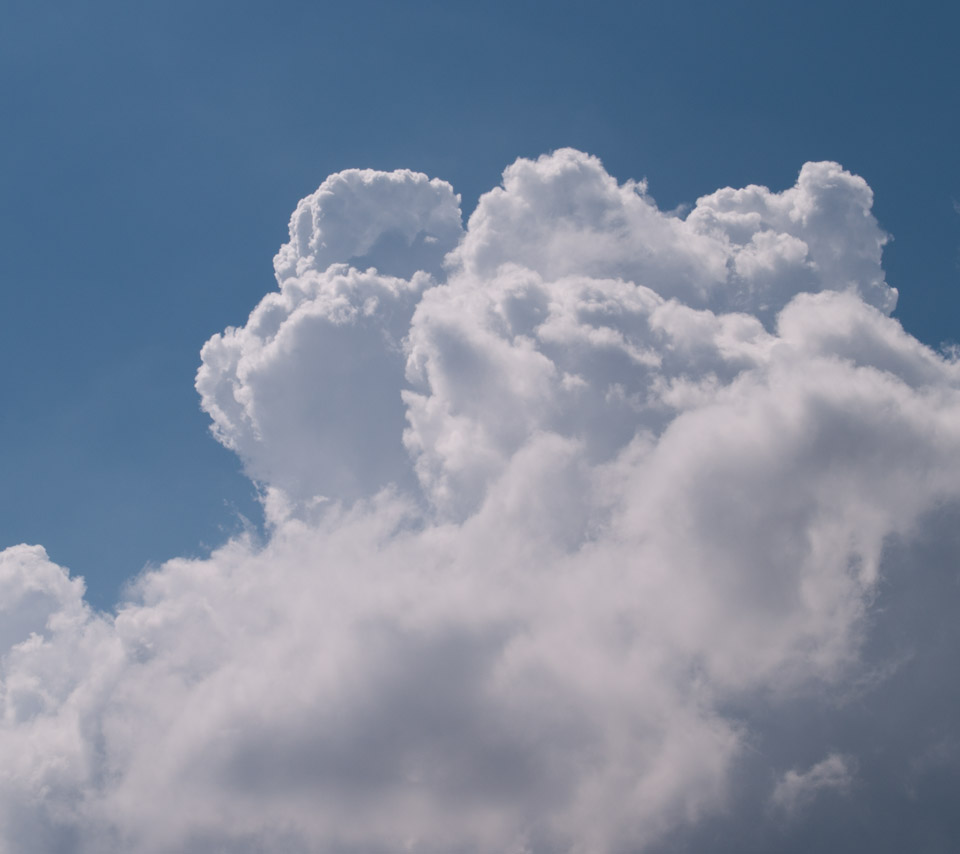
553 497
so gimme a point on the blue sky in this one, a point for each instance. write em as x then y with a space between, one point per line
631 527
153 151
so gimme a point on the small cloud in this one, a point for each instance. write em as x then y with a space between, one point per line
797 789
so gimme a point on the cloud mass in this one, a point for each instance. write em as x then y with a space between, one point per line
569 511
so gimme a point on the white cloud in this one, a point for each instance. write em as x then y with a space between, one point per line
539 518
747 249
796 789
307 391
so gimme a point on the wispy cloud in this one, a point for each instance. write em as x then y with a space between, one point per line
797 789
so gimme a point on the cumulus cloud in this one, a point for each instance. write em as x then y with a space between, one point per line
307 392
562 506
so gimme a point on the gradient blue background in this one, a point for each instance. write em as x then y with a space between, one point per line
153 151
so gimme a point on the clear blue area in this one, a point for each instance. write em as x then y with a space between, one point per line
152 152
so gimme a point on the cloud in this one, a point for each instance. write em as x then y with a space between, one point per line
563 509
307 391
796 789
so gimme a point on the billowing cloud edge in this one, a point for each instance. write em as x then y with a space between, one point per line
548 497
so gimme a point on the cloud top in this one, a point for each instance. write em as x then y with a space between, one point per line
398 222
